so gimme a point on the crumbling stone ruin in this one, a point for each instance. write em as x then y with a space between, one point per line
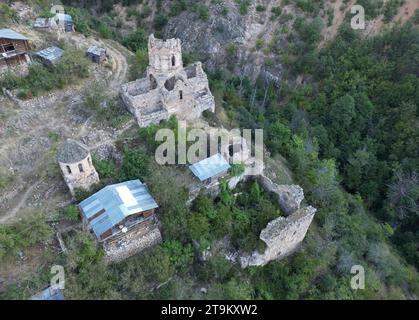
282 237
168 88
76 165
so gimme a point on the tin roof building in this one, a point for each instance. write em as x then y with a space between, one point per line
49 294
117 208
14 48
210 167
11 34
96 54
66 20
50 55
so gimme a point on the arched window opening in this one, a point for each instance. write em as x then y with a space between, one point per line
180 94
173 61
81 167
68 169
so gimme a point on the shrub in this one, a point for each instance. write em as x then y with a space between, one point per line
237 169
5 178
136 40
105 168
135 165
160 21
72 213
260 8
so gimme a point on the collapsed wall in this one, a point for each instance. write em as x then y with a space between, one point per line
282 237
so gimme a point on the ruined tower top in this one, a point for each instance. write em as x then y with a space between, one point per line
165 56
76 165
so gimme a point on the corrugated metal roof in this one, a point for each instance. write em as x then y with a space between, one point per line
64 17
96 50
51 54
49 294
43 23
210 167
10 34
118 202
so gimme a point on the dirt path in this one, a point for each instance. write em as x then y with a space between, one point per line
44 115
119 66
13 212
329 33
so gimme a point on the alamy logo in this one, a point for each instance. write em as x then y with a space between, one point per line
187 146
58 280
358 280
358 20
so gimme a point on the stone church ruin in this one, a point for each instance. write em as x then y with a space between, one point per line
169 88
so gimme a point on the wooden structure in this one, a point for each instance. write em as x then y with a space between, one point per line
118 209
14 48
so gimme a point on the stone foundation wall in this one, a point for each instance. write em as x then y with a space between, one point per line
133 243
282 235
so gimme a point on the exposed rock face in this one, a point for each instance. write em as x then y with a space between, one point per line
168 88
211 36
282 237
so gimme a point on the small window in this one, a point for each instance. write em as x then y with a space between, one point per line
68 169
9 47
81 167
180 95
173 61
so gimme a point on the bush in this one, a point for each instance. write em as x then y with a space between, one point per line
160 21
260 8
243 6
17 237
105 168
5 178
72 213
7 15
139 63
136 40
237 169
135 165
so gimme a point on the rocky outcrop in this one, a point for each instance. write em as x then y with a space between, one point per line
209 37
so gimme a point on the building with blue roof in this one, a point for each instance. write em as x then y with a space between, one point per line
50 55
14 48
66 20
118 208
49 294
210 168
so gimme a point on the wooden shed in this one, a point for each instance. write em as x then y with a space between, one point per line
14 48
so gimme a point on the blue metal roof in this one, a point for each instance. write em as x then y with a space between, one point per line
10 34
63 16
210 167
118 202
51 54
49 294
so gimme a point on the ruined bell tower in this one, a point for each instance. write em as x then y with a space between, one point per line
165 58
76 165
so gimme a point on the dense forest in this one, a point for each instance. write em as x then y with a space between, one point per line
349 133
